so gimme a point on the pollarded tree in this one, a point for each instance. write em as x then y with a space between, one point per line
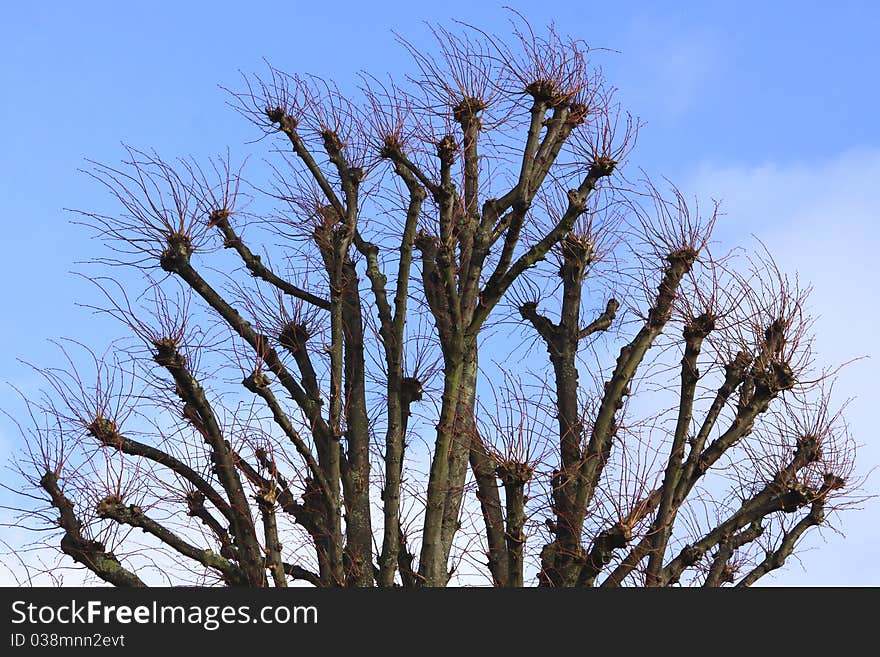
349 405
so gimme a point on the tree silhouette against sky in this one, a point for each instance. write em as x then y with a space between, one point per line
445 334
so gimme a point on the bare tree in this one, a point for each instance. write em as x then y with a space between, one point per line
466 347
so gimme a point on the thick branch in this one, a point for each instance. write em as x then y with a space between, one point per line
514 477
89 553
298 572
408 576
733 377
618 536
602 322
113 508
313 514
776 558
288 127
631 356
400 392
266 502
195 505
404 163
695 332
432 561
629 564
467 116
255 265
107 433
500 564
198 410
720 571
784 493
502 278
258 384
178 263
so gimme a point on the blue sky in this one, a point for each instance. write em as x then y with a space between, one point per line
772 109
